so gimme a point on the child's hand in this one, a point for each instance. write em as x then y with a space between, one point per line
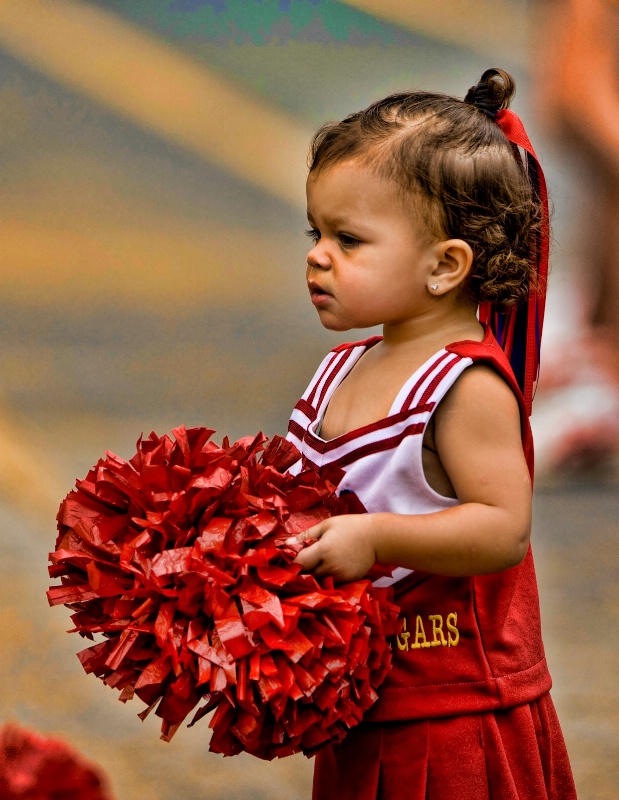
345 548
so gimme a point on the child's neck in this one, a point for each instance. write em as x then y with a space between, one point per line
447 321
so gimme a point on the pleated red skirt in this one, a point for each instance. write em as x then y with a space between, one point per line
518 754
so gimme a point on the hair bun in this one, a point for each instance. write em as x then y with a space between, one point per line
493 92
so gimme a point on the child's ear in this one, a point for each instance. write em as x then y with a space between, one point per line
453 262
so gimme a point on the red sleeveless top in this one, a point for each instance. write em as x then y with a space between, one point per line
467 644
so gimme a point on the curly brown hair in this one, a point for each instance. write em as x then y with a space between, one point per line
468 180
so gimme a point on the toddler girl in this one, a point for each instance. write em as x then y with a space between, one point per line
425 220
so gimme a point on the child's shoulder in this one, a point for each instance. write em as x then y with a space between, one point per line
486 397
483 390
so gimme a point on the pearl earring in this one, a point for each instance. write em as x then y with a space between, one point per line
434 286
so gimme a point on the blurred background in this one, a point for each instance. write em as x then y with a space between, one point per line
152 274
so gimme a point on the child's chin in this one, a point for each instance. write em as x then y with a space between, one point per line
331 323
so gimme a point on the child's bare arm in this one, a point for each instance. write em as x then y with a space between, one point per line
477 434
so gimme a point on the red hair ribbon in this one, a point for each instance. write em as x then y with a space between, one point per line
519 330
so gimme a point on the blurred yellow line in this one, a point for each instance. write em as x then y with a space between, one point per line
28 476
161 89
166 267
491 28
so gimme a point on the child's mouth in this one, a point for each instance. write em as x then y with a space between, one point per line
318 294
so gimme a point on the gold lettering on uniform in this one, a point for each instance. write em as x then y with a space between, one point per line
453 635
420 635
438 637
402 638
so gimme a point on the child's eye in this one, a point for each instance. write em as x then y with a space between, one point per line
348 241
313 234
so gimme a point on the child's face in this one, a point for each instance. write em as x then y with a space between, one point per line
372 257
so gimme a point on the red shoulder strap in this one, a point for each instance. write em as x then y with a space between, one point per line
363 343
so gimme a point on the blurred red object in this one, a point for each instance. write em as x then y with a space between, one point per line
35 767
179 558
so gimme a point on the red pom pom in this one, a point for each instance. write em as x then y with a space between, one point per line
179 558
34 767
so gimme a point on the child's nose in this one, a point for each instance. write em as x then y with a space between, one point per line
318 258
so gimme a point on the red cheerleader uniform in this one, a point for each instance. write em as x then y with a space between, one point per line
465 712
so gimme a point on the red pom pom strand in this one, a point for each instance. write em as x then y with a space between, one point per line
179 559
